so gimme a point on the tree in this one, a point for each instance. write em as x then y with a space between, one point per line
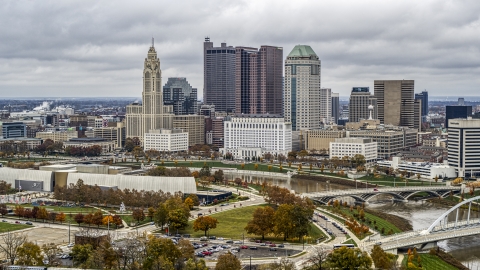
3 210
79 218
97 218
161 216
151 213
189 203
228 261
205 223
10 244
107 220
205 171
161 253
317 259
382 259
193 264
347 258
194 197
283 264
29 254
138 215
186 249
262 222
61 217
51 250
303 154
218 176
81 254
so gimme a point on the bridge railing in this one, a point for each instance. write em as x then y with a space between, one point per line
429 238
361 190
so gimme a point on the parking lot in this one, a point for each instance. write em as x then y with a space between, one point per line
211 250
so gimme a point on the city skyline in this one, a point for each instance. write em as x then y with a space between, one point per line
90 49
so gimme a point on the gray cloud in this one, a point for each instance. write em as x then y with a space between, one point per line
96 48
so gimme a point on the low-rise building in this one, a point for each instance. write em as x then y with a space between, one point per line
354 146
57 136
107 146
251 135
114 132
320 139
425 169
172 140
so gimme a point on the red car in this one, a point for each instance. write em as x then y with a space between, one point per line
273 245
17 222
207 253
243 247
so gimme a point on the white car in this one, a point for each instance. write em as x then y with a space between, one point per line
70 245
237 242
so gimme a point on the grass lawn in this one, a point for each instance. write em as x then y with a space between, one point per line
8 227
231 225
129 219
387 180
429 261
350 241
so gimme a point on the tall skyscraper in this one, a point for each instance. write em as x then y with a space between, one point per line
180 94
457 111
219 76
424 100
395 100
325 105
258 80
335 107
417 114
360 99
151 114
302 88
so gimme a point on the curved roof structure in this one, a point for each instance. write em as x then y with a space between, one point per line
147 183
302 51
9 175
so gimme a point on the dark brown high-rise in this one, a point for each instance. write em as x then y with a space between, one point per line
258 80
395 100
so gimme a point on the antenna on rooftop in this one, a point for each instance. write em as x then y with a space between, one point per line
152 42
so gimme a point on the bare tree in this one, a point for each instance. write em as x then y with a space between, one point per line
317 259
11 243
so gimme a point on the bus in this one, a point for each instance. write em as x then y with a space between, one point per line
337 246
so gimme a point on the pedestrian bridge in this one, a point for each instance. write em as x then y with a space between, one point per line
398 193
447 226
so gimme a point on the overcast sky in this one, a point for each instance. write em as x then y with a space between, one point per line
97 48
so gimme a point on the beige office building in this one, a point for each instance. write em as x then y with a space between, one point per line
115 132
152 113
194 125
395 101
320 139
57 136
358 107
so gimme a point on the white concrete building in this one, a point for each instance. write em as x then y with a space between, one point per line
326 105
425 169
302 88
353 146
464 146
252 135
172 140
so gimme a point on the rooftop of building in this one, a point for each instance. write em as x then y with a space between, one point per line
266 115
302 51
86 139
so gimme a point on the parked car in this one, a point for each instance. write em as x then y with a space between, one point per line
203 238
229 241
243 247
253 248
29 223
272 249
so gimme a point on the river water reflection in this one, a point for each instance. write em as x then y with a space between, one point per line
421 215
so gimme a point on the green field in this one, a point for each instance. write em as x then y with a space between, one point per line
387 180
231 225
429 261
8 227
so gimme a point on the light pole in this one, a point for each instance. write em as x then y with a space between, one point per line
68 231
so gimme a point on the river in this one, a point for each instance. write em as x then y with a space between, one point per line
421 214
